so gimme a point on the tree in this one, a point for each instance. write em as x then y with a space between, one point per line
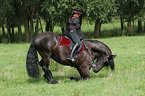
29 12
141 17
18 12
57 12
132 10
18 17
99 11
7 18
3 29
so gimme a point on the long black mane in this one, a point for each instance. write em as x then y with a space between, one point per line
100 47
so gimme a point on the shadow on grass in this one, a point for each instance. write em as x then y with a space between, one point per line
59 79
103 73
33 80
67 79
105 33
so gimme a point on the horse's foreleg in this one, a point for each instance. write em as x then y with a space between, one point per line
84 72
76 78
80 72
48 74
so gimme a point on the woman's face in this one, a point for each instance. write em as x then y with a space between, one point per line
76 15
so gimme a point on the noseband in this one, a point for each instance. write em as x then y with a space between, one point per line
105 59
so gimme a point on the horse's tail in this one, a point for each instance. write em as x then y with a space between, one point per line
32 61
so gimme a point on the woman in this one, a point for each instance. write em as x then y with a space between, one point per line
73 31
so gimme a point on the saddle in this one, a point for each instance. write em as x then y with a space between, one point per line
67 42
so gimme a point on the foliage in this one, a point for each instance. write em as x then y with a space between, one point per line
60 12
29 13
101 10
132 8
6 10
127 80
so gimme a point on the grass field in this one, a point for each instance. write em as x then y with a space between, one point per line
127 80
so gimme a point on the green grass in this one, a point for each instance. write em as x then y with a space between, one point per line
127 80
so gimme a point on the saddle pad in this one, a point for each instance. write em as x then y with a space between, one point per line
64 41
67 42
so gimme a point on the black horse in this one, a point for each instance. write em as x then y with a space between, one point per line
47 44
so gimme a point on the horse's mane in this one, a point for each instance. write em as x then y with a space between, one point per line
97 42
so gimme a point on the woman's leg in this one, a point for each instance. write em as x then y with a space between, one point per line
75 38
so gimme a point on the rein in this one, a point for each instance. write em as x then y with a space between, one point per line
92 63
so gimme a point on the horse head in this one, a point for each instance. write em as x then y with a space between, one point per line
111 61
102 62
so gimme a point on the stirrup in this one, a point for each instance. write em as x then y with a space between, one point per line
71 59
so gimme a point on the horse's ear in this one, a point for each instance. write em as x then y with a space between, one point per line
112 57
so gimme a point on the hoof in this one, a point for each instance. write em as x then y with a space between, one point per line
52 82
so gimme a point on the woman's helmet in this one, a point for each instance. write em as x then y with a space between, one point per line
77 11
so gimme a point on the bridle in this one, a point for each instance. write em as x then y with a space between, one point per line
105 59
92 63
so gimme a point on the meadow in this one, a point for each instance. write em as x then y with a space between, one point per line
127 80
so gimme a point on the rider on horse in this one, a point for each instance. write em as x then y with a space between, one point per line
73 31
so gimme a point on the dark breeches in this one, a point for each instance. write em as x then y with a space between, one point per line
75 38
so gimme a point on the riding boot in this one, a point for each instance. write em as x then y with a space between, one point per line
71 56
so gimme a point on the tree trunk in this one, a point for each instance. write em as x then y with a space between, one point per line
122 26
139 27
3 31
133 23
41 26
144 26
31 28
37 22
97 29
62 29
36 27
49 26
31 21
129 28
20 33
9 34
26 30
13 33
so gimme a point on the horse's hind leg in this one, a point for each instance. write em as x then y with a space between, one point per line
48 74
